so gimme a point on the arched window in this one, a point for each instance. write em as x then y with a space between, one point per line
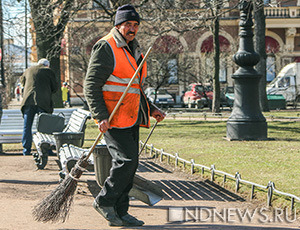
207 45
167 49
167 44
270 65
272 47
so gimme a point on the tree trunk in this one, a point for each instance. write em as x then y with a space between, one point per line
216 80
260 48
49 33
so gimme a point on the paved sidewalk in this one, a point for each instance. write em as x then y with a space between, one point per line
22 187
15 104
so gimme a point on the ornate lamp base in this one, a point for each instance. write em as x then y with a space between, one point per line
246 130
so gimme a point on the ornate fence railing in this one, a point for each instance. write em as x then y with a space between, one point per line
282 12
270 187
223 116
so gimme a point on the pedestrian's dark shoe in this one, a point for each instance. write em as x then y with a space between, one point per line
129 220
26 152
109 214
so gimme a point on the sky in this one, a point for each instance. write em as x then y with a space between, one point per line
14 21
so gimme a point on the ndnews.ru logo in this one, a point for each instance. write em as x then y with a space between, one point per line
230 215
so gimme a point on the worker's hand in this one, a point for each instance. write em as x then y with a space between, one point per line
158 115
104 125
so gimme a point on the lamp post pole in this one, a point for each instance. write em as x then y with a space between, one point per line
26 37
2 81
246 121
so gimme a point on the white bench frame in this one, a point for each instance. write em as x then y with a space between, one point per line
45 142
12 123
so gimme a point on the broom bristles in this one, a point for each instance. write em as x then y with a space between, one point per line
56 206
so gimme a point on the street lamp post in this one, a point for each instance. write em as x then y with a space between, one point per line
246 121
26 37
2 81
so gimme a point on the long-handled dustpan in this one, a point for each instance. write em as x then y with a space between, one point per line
143 189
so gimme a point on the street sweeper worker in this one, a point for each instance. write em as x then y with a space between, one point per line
114 60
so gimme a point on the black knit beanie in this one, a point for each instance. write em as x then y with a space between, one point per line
126 13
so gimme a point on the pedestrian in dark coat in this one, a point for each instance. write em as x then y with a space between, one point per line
39 84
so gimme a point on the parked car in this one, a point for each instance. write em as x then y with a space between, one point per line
227 96
275 101
163 97
197 96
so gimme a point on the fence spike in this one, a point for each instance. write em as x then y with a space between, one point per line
271 187
252 192
176 160
292 204
224 180
212 168
151 150
237 182
161 155
192 166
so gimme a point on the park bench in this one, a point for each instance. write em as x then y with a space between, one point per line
100 161
11 127
73 133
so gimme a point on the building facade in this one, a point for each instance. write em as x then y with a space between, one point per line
182 41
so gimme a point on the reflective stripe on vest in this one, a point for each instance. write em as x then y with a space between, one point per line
120 89
115 79
124 69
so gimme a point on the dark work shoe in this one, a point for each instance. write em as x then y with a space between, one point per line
129 220
109 214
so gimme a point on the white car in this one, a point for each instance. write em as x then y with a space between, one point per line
162 97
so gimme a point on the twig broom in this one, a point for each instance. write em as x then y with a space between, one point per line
56 206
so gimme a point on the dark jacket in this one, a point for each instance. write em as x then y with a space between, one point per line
39 84
101 66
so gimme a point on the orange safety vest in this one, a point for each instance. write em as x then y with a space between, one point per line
124 69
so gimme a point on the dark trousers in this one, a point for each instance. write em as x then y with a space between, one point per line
123 145
28 115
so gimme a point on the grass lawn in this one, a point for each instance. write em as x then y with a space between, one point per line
258 161
275 160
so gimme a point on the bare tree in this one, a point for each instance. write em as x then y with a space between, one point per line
161 18
260 48
215 7
49 20
13 51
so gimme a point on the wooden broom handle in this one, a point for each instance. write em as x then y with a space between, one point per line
119 102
